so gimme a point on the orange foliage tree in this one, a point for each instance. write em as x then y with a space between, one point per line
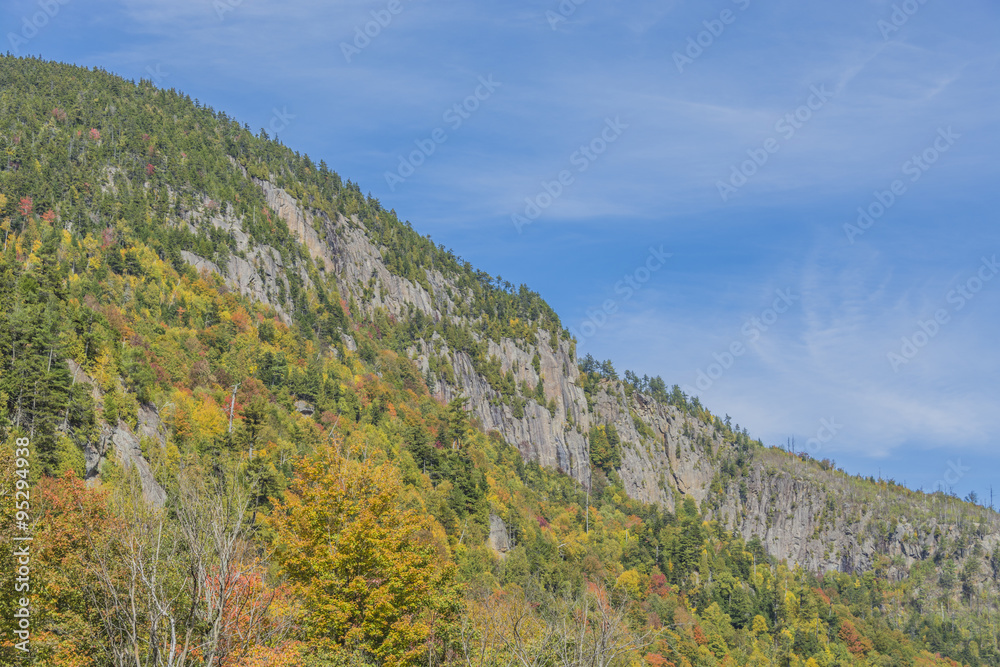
856 643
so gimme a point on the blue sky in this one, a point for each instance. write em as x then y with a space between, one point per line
805 112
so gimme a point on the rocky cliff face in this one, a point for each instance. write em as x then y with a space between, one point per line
123 442
539 435
829 521
653 468
674 456
666 454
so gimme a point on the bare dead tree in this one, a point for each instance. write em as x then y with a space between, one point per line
503 629
584 629
481 634
140 591
182 583
233 604
594 629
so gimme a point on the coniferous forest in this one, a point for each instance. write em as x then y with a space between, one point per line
263 474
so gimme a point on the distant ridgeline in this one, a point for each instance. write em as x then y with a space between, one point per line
269 423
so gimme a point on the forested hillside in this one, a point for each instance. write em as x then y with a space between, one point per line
263 421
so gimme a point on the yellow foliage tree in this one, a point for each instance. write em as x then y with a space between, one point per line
375 576
630 581
209 419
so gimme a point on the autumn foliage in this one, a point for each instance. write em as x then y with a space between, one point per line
321 504
374 574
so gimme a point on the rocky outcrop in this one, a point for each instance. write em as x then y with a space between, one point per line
540 435
544 437
258 280
128 451
666 454
299 222
123 442
824 522
499 539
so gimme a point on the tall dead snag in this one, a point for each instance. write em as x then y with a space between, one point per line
184 583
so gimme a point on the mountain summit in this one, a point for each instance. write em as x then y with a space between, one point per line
353 447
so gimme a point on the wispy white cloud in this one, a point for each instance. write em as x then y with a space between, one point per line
826 357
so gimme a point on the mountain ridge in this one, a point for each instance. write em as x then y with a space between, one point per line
550 440
341 281
342 248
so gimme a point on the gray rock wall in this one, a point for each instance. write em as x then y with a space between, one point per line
677 456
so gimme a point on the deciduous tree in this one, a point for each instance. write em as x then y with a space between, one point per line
374 574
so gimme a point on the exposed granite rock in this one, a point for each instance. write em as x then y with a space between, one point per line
241 276
299 222
124 442
499 539
80 375
539 435
666 455
129 453
676 458
816 523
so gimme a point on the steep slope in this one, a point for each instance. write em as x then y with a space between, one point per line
820 519
109 160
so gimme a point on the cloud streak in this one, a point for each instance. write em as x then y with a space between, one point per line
784 230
